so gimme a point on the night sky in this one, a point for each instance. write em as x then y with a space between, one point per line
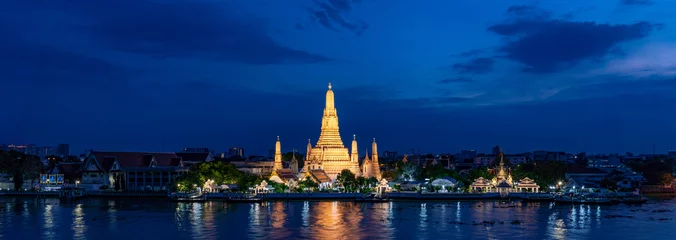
446 75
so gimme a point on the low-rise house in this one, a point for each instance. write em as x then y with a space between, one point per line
70 170
256 165
131 170
192 158
589 177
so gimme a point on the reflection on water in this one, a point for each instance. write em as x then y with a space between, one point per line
159 219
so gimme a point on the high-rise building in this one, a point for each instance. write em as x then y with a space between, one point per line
63 150
235 151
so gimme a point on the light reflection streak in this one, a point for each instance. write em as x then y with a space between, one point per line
79 227
457 216
423 217
196 220
112 216
598 216
25 214
48 226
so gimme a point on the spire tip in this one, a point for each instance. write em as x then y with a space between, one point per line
329 86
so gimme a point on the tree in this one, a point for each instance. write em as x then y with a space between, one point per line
286 157
408 171
347 179
20 166
220 173
307 183
609 184
390 175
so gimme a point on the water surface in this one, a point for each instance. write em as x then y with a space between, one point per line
95 218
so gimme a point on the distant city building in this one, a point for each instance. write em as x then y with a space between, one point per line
672 154
235 151
465 154
390 154
63 150
195 150
538 156
604 161
487 160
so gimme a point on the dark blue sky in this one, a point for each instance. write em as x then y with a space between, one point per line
595 76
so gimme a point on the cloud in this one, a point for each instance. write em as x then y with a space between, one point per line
330 15
456 80
471 53
528 12
475 66
636 2
651 60
26 63
200 29
547 45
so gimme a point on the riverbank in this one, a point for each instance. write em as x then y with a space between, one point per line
394 196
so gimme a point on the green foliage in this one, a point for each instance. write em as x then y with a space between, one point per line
609 184
220 173
347 180
389 175
286 157
544 173
20 166
408 171
655 172
307 183
438 171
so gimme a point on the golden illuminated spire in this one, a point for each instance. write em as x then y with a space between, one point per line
278 155
375 171
308 150
355 155
330 136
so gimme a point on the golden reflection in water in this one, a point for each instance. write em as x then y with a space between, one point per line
384 212
278 215
79 227
556 227
208 222
327 221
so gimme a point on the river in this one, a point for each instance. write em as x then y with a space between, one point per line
98 218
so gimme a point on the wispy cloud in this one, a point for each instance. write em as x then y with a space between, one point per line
475 66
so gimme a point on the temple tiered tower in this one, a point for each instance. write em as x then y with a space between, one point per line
278 156
329 154
375 166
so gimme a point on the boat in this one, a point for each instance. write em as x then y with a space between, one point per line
538 198
634 199
69 193
188 197
588 199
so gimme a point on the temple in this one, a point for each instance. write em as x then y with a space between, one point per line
326 159
502 182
